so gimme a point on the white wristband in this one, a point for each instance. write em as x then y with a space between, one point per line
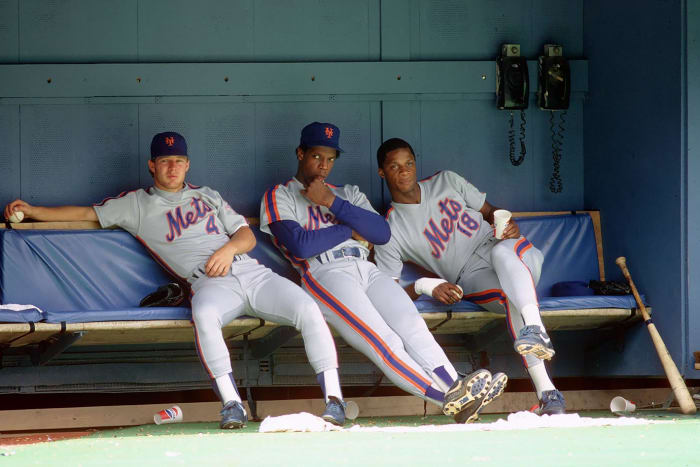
426 285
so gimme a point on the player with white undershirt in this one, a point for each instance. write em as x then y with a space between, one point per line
442 224
325 231
199 238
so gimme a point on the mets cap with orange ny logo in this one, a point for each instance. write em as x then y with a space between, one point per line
321 134
168 143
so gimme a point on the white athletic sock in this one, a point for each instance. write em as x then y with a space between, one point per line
540 378
531 315
331 383
226 389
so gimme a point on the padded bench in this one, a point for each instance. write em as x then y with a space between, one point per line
87 283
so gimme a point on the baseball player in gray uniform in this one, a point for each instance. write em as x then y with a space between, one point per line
442 224
326 231
199 238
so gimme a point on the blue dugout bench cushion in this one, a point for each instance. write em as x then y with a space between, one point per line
427 304
120 314
98 277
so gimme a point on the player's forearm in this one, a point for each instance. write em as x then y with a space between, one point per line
241 242
373 227
304 243
62 213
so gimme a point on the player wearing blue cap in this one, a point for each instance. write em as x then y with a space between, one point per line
200 239
326 232
442 224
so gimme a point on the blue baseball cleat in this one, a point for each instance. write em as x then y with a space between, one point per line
465 391
533 340
335 411
495 389
552 403
233 416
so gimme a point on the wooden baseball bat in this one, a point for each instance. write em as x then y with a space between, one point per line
680 390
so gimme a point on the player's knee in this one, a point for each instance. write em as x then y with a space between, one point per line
206 316
307 313
502 253
533 259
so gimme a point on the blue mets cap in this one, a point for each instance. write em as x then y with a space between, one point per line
168 143
321 134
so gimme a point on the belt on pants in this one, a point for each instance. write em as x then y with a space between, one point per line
340 253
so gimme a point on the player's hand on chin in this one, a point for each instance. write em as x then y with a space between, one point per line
219 263
318 193
512 230
447 293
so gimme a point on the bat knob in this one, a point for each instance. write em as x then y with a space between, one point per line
621 261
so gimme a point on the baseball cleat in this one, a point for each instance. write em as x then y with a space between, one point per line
532 340
496 388
335 411
465 391
552 403
233 416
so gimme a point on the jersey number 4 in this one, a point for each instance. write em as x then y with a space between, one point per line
211 225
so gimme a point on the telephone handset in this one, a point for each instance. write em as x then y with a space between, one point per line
553 94
512 93
554 84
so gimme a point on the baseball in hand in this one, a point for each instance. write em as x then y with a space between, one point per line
16 217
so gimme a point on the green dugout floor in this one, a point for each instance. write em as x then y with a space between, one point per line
666 444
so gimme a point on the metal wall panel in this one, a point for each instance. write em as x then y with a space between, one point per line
9 27
220 143
77 31
187 31
468 137
475 29
9 154
75 154
264 30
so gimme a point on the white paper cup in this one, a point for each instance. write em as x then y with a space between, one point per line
621 405
500 220
352 410
170 415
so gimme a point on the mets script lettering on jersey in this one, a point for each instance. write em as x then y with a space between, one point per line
453 220
316 217
177 222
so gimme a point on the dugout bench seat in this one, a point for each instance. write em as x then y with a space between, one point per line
86 284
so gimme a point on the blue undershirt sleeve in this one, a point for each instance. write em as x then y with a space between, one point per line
373 227
304 243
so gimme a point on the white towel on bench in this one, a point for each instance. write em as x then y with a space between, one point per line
16 307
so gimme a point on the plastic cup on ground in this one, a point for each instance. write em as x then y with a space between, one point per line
500 220
352 410
170 415
621 405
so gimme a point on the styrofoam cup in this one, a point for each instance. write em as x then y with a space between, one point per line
500 220
352 410
621 405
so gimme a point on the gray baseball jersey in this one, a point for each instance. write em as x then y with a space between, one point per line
425 233
183 229
285 202
446 233
367 308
